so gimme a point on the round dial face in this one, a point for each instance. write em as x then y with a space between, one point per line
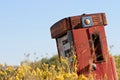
87 21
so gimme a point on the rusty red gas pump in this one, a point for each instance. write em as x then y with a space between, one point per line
86 34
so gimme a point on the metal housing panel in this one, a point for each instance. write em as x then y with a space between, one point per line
81 43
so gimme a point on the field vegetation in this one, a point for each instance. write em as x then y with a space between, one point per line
46 69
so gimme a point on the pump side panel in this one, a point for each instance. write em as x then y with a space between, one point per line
81 43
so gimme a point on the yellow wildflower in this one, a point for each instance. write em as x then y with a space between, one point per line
59 77
82 77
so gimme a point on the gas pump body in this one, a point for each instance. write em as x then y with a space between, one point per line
86 34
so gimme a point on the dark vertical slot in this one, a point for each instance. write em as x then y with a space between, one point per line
97 47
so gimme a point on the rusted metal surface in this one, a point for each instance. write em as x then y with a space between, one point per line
98 19
105 70
60 28
81 43
87 35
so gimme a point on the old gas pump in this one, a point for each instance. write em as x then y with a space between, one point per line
85 35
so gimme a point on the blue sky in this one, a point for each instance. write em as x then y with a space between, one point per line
25 24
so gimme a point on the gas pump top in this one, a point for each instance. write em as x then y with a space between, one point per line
82 21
